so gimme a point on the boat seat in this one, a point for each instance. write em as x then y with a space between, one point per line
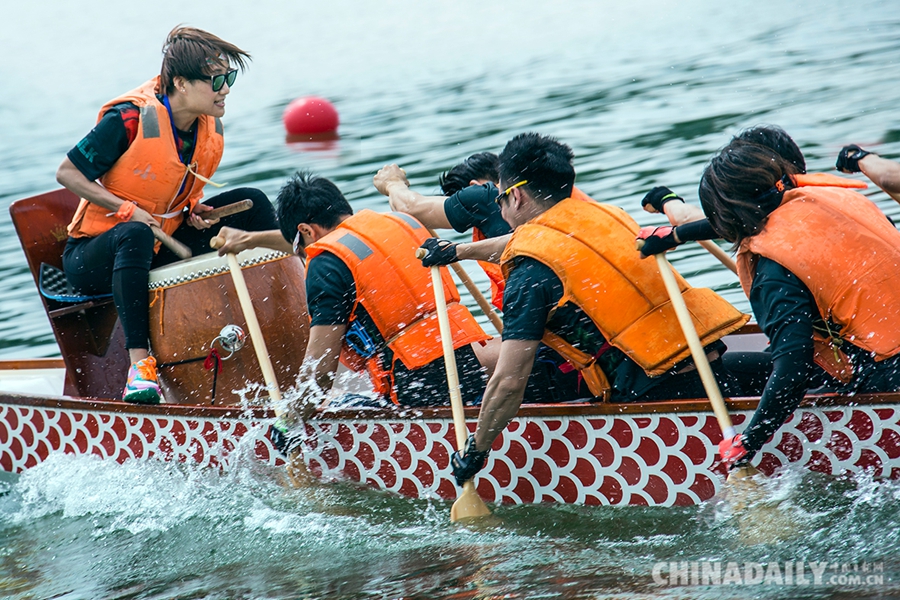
86 328
54 285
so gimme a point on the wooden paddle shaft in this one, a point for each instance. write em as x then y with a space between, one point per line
459 417
259 344
693 340
720 254
180 250
486 307
479 297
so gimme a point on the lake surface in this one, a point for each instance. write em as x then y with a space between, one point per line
644 92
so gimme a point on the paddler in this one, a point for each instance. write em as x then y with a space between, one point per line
468 204
143 169
819 263
370 301
574 282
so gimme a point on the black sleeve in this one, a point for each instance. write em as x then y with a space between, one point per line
474 206
785 310
99 150
696 230
532 290
330 290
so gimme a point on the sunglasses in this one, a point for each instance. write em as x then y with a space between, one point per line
221 79
505 193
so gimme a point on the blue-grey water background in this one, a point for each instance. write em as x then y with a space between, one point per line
643 91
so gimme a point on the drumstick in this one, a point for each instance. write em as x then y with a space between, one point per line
180 250
228 210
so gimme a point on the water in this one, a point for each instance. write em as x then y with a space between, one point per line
643 91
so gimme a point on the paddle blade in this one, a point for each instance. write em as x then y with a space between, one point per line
468 505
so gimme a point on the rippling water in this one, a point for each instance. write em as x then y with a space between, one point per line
643 91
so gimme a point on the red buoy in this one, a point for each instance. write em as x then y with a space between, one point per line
310 116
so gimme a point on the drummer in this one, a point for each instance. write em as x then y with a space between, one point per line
818 261
566 286
141 170
370 301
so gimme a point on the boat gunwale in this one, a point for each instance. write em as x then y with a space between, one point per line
576 409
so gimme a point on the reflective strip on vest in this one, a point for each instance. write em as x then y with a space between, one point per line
356 246
149 122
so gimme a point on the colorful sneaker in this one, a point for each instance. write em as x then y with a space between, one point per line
732 450
142 386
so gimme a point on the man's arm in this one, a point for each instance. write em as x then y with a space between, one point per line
428 210
505 390
883 172
323 352
489 250
237 240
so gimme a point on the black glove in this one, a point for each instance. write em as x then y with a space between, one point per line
658 196
283 440
466 465
440 252
654 240
849 157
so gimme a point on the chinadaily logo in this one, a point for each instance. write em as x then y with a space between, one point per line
787 573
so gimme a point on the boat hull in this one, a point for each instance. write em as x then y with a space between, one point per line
661 454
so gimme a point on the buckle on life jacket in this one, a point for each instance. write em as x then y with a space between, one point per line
588 369
359 340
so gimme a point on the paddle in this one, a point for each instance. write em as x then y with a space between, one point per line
709 245
700 360
296 467
720 254
468 504
486 307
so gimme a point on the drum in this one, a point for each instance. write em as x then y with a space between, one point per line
201 359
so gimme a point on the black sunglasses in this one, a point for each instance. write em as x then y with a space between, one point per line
219 80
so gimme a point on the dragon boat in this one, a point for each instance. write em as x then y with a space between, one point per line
649 454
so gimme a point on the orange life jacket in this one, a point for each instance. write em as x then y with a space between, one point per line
590 247
851 264
493 271
150 172
396 291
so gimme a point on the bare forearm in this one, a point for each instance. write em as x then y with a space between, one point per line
883 172
272 239
323 353
680 213
502 400
73 180
489 250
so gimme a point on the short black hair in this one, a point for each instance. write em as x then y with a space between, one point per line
483 165
777 139
308 198
544 162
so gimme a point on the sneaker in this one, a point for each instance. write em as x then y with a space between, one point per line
732 450
142 386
